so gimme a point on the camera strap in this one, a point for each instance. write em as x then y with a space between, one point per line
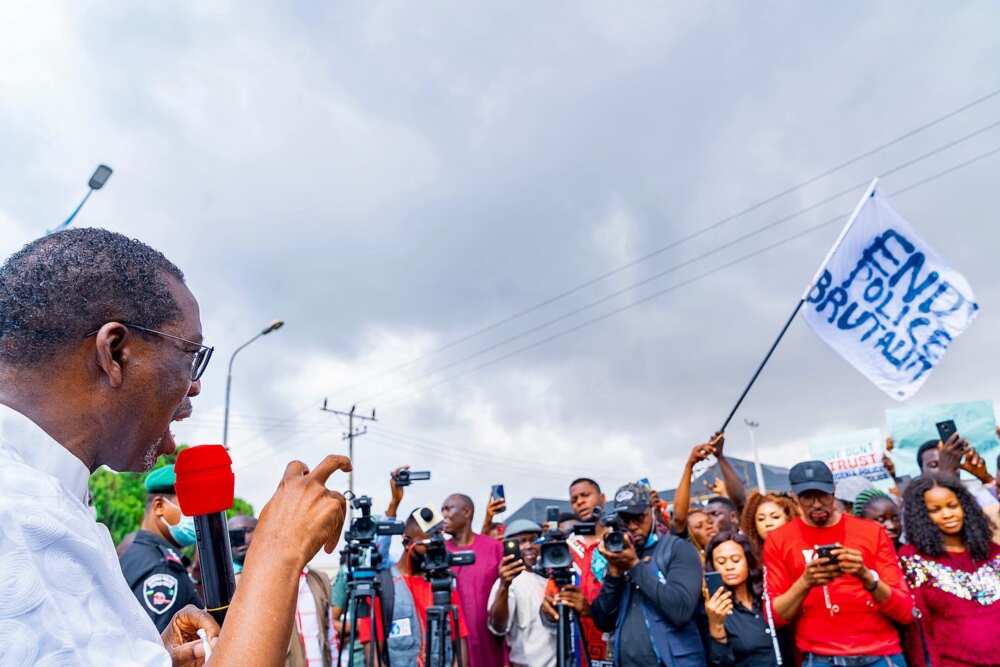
387 600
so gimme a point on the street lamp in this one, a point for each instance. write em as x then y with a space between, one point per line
96 182
752 426
273 326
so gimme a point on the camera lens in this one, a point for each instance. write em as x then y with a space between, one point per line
556 555
614 541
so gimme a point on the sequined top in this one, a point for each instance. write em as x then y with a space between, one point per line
958 599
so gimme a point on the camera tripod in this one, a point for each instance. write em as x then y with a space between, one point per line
442 616
568 625
363 589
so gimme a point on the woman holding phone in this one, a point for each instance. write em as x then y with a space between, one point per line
953 568
742 634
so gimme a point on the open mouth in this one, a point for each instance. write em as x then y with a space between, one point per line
168 444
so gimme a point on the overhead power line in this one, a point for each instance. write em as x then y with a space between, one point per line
673 244
689 281
263 454
676 267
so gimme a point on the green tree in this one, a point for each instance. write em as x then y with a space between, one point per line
120 498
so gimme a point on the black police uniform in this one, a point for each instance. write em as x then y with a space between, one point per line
156 574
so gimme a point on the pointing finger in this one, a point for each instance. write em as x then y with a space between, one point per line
328 466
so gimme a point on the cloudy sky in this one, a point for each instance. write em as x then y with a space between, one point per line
404 183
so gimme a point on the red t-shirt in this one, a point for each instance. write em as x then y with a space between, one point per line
420 589
853 624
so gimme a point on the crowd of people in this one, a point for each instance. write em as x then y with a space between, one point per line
829 573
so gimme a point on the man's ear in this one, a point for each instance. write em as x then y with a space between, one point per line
156 507
112 348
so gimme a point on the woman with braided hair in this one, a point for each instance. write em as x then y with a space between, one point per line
878 506
953 568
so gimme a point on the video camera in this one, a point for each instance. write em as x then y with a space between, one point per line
441 615
361 553
555 559
405 477
438 560
614 539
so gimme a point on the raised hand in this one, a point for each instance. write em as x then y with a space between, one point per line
509 568
718 608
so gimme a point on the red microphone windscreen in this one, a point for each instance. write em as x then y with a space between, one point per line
205 480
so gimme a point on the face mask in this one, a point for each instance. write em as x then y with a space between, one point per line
183 533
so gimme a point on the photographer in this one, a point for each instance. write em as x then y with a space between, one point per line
516 597
411 595
651 592
587 501
100 351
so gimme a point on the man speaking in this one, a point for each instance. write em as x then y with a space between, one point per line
100 350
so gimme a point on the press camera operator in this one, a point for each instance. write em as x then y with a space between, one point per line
589 568
100 350
411 596
651 591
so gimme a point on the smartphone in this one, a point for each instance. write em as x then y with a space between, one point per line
946 429
825 551
512 547
713 582
497 493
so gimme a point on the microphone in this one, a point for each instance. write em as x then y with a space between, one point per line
204 487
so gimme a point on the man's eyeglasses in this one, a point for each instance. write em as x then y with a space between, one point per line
201 357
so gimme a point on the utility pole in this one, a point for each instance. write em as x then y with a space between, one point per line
351 433
752 426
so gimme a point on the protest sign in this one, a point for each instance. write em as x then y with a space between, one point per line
912 427
853 454
887 302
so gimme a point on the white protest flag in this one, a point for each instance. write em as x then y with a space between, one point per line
886 302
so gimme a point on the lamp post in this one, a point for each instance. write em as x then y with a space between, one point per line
273 326
752 426
96 182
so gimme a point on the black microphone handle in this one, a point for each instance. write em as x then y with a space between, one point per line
218 580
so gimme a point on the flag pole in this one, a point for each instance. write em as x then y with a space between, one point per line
805 295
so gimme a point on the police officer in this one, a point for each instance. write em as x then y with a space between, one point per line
153 565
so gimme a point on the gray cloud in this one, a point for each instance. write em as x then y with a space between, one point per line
388 178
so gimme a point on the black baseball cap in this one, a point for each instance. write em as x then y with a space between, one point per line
632 499
811 476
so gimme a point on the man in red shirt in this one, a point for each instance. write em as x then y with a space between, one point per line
589 568
837 578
